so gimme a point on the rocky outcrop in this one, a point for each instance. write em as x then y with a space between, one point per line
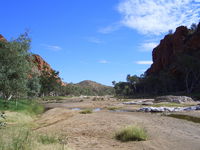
41 63
2 38
183 40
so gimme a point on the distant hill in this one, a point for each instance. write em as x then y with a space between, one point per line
96 88
93 84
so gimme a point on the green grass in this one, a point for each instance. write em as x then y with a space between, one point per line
170 105
26 106
86 111
50 98
131 133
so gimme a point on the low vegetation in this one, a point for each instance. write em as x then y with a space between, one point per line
48 139
185 117
113 108
26 106
86 111
18 134
131 133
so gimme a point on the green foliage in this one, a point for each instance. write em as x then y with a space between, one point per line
87 111
131 133
15 66
34 84
77 90
27 106
50 83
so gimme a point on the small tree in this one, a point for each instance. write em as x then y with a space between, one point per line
193 27
50 82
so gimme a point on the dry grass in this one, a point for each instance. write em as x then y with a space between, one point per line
18 135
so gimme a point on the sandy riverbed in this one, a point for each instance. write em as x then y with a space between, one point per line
96 131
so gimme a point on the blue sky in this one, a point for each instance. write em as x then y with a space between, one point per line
100 40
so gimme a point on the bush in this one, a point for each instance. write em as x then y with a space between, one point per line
131 133
87 111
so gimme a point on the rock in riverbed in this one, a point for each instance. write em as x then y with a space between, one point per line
169 109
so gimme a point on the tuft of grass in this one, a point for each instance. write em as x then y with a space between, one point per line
131 133
113 108
86 111
46 139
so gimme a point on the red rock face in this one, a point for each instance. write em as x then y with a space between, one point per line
179 42
41 63
2 38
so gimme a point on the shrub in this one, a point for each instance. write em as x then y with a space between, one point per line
87 111
131 133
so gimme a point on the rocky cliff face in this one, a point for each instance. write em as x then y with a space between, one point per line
2 38
41 63
183 40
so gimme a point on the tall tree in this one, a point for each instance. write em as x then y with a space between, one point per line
14 66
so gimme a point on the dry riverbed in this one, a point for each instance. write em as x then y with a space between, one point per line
96 131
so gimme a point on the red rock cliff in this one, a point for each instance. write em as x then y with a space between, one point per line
2 38
41 63
179 42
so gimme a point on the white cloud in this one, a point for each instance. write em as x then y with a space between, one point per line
158 16
94 40
110 28
103 62
52 47
149 46
144 62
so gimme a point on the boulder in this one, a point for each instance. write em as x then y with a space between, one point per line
173 99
